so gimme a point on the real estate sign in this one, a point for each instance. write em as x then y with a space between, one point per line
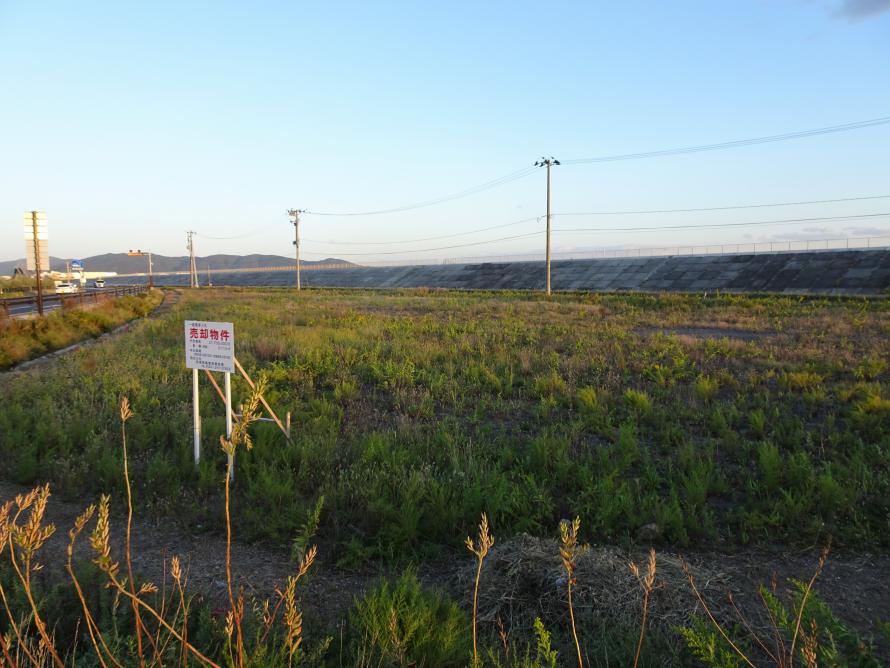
210 345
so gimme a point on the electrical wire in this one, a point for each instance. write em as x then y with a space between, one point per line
598 213
424 250
722 208
513 176
256 230
844 127
620 229
411 241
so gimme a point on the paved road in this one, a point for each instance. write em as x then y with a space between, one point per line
50 303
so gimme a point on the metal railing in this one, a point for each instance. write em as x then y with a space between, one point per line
20 306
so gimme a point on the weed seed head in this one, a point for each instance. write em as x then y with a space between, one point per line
126 413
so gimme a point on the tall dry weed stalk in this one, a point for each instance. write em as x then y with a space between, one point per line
240 438
483 544
569 551
23 541
782 653
647 583
126 414
156 626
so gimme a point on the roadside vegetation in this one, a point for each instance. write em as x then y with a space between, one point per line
20 286
25 338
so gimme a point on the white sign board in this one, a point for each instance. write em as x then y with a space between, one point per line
210 345
41 241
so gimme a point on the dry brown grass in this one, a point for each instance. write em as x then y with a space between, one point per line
482 546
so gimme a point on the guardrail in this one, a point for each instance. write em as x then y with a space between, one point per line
25 305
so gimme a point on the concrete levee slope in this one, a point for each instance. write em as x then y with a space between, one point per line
818 272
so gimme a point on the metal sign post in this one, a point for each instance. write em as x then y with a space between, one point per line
209 346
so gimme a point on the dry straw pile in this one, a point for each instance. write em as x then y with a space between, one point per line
524 578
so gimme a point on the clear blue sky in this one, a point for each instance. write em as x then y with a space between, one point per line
129 123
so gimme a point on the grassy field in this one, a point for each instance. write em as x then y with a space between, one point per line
679 421
414 412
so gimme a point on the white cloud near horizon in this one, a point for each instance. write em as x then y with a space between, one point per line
856 10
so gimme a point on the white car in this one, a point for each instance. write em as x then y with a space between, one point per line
65 288
99 283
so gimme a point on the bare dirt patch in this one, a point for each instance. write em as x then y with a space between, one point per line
522 576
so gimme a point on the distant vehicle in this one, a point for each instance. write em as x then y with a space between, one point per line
99 283
64 288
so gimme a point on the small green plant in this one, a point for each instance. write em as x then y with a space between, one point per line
801 381
405 624
545 655
706 387
638 401
587 400
304 537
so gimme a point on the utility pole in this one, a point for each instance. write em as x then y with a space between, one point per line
295 214
548 163
193 268
37 263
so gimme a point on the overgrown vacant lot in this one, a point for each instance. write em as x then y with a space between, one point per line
683 420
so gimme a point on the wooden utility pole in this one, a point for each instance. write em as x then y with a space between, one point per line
548 163
37 263
295 214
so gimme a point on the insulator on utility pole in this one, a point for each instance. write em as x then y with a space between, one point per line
548 163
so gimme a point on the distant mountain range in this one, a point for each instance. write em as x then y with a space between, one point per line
122 263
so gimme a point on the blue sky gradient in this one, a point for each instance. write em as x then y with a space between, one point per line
129 123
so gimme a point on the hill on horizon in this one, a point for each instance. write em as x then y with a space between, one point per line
122 263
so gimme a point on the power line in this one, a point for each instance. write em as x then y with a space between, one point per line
256 230
845 127
600 213
715 225
624 229
513 176
411 241
424 250
723 208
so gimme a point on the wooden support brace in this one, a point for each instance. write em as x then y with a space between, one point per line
262 400
216 386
